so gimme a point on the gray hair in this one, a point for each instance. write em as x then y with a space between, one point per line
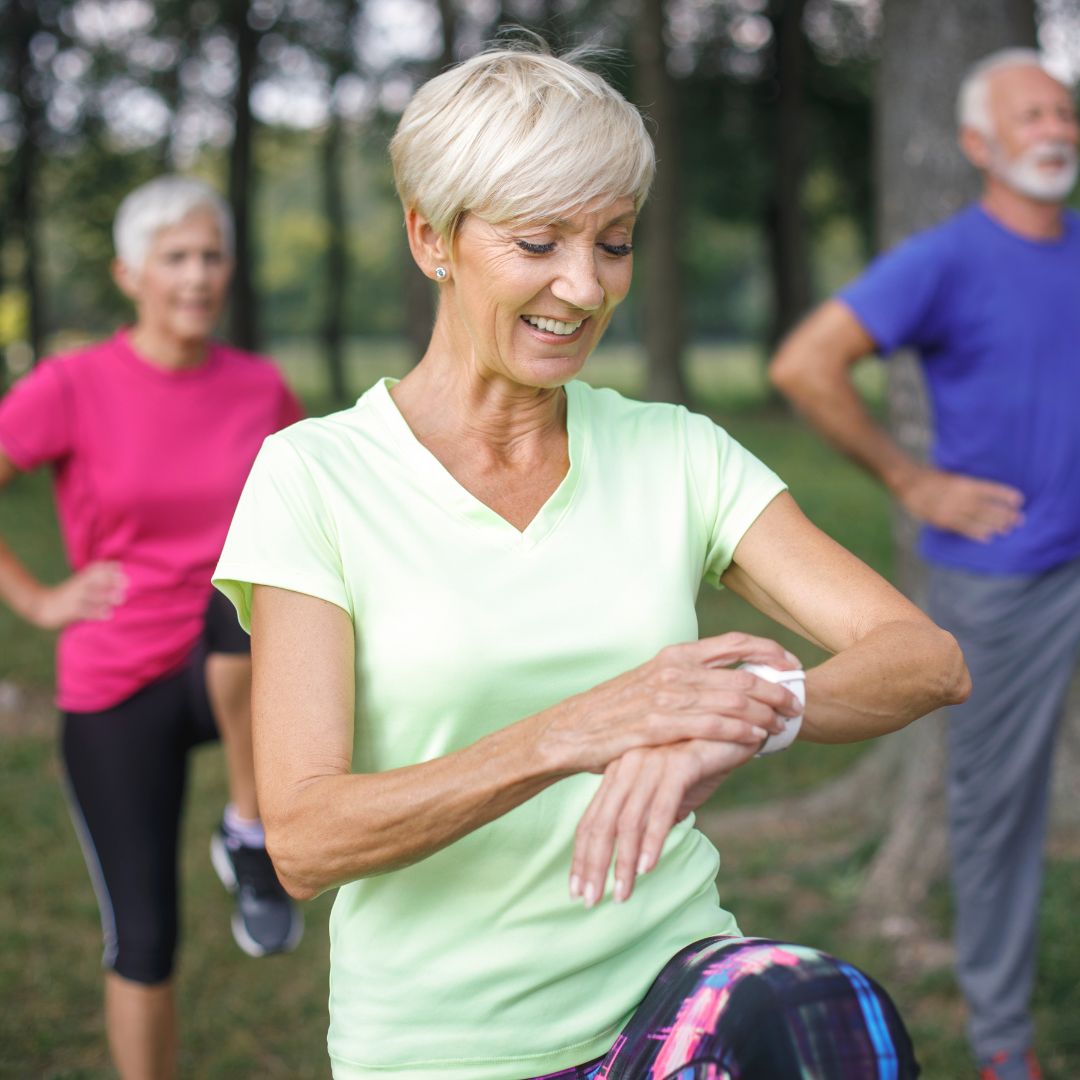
973 100
517 134
157 205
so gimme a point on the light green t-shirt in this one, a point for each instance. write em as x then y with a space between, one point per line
474 964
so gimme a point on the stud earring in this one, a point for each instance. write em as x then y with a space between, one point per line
440 273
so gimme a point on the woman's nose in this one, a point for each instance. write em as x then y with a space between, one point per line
578 283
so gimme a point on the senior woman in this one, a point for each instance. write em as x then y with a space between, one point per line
476 665
150 436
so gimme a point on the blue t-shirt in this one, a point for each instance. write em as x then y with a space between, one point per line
995 318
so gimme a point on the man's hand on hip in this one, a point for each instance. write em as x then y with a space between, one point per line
977 509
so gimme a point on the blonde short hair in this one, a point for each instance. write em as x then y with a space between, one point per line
517 134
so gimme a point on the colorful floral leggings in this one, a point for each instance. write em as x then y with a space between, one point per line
732 1008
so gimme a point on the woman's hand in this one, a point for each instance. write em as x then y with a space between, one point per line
92 593
685 692
643 794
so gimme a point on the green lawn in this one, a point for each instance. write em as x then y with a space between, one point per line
244 1018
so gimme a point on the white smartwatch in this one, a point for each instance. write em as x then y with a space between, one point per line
793 680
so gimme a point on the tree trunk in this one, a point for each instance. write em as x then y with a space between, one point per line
243 314
921 179
661 224
336 261
418 292
786 227
21 206
339 59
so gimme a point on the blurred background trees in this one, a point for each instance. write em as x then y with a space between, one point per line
761 111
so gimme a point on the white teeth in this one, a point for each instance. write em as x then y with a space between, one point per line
553 326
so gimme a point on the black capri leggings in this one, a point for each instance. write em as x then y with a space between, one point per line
126 773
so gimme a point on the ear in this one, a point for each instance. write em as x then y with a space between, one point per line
428 248
975 147
127 281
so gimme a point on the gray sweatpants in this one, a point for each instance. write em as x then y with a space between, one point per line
1021 638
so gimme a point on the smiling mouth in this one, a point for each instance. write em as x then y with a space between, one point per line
553 326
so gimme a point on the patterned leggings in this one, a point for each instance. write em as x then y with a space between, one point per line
732 1008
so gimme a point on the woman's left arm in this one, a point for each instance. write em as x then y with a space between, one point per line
890 663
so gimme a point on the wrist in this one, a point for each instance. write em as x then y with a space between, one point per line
901 477
28 602
547 752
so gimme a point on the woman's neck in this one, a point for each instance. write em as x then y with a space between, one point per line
166 351
489 412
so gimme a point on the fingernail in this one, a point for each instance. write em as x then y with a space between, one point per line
575 886
620 891
590 895
793 659
644 862
760 732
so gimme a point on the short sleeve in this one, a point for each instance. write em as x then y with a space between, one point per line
897 299
36 420
281 534
733 487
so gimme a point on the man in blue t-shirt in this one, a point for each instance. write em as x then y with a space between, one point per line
990 299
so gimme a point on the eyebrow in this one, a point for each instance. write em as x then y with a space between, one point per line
629 216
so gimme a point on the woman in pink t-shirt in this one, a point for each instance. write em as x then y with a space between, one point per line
150 436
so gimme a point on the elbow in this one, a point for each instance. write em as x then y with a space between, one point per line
295 863
782 372
954 683
787 371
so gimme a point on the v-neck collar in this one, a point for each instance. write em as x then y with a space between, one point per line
462 502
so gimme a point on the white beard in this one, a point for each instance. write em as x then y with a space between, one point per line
1024 175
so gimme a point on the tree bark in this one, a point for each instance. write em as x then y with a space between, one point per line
661 224
921 179
339 58
336 261
418 290
21 210
243 313
786 225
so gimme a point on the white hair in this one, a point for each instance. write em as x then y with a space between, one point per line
157 205
973 100
518 134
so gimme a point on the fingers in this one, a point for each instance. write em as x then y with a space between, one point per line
91 594
684 693
732 648
98 589
635 808
975 508
620 817
1002 493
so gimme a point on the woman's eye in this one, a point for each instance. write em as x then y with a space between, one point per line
536 249
618 249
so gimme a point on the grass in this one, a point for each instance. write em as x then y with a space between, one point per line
243 1018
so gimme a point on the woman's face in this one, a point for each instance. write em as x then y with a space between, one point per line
534 300
180 289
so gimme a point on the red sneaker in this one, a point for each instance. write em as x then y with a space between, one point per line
1009 1065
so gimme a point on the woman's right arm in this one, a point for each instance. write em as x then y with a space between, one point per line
326 825
90 594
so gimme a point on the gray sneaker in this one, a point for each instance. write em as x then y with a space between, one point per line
265 920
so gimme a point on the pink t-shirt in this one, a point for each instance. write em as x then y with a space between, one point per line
148 465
